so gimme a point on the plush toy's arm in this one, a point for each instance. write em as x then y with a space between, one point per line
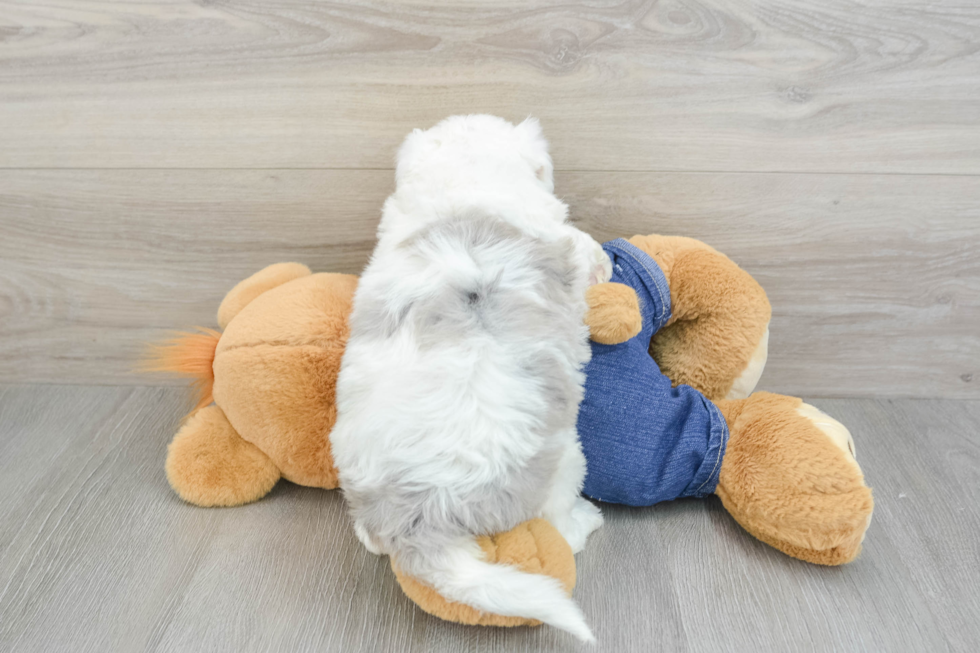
614 313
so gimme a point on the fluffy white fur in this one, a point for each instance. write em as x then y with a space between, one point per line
459 388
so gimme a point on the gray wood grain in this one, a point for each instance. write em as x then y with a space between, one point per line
716 85
96 552
874 279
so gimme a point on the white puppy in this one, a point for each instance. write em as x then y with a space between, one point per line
460 385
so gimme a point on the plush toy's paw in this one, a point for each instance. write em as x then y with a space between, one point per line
834 430
535 547
614 313
209 464
790 478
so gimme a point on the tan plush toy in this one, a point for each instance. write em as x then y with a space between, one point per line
785 471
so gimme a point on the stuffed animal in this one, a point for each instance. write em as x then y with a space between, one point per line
679 341
668 412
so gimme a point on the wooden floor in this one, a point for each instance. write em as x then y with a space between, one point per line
98 554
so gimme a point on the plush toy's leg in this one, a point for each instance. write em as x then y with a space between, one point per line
790 478
248 289
209 464
717 337
745 383
535 547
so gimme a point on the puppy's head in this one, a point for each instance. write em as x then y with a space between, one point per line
486 139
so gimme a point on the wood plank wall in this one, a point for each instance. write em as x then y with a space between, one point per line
153 153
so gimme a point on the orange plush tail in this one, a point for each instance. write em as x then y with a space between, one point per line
189 355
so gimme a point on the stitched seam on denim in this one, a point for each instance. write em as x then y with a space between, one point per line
713 410
627 249
637 255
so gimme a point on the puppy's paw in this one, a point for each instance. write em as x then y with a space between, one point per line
601 270
583 518
366 539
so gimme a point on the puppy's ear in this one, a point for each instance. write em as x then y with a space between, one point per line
530 128
416 145
534 149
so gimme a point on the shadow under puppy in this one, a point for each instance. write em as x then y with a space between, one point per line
459 388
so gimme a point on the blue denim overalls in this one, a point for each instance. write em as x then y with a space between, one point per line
645 441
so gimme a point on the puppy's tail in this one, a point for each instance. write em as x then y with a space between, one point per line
459 574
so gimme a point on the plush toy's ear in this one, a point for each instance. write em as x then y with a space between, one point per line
614 313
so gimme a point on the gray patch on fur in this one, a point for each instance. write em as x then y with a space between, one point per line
497 302
379 318
394 511
529 301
